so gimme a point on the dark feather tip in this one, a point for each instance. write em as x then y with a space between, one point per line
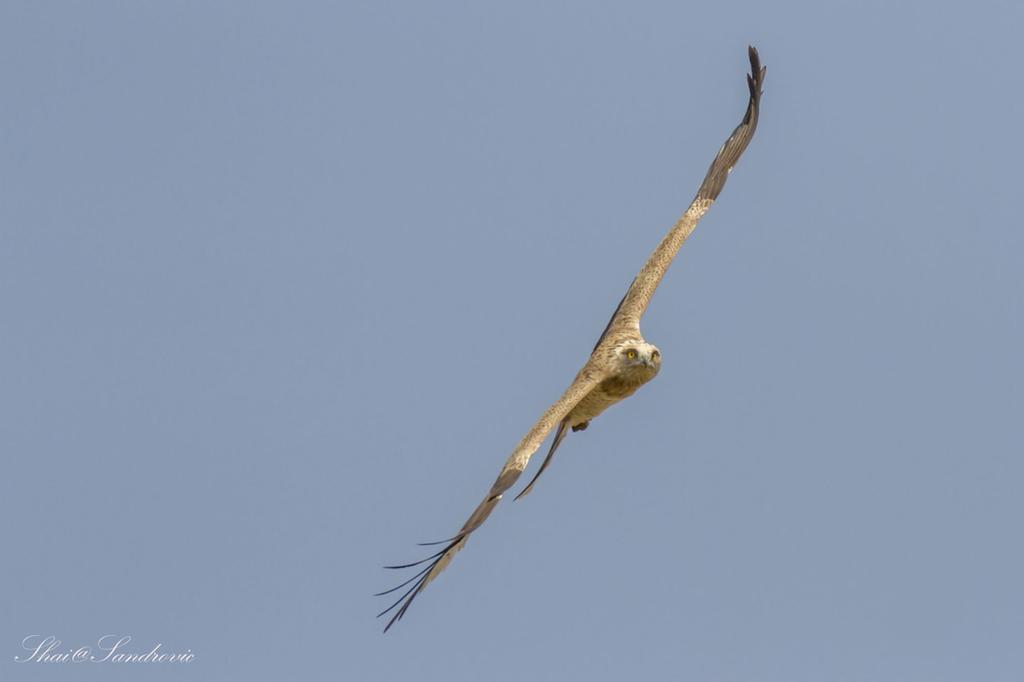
440 542
417 563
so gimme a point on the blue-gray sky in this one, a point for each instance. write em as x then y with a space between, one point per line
283 284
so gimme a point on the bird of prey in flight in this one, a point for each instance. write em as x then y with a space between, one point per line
621 362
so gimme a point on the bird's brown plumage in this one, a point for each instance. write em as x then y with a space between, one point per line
610 374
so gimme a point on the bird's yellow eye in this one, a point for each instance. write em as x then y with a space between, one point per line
631 354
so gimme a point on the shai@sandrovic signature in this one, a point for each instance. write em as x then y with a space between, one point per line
108 649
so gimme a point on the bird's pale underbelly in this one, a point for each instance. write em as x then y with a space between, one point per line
604 395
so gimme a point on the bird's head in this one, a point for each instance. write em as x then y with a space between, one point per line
638 357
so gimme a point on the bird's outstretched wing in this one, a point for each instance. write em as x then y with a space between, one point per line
585 381
627 315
